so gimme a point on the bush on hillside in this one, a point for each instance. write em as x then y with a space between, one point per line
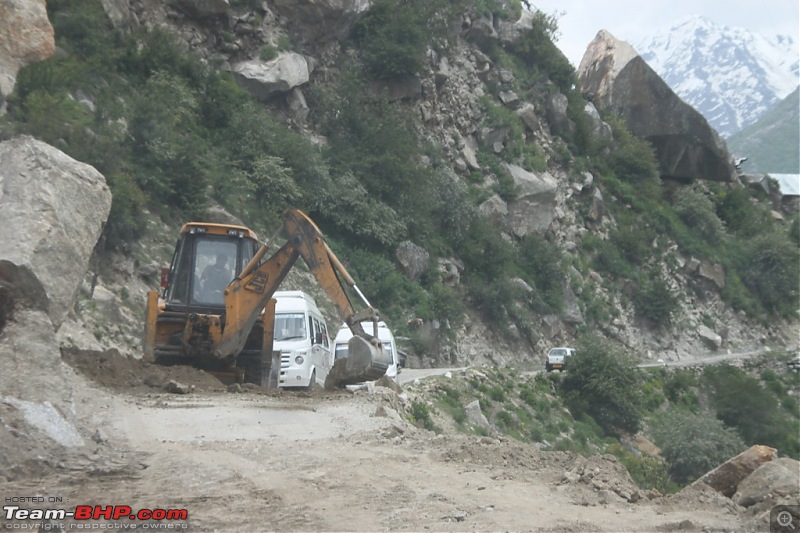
696 209
741 402
392 38
537 48
654 300
770 268
605 384
692 443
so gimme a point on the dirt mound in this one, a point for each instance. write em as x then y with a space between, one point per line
123 373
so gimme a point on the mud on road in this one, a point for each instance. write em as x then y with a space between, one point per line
333 462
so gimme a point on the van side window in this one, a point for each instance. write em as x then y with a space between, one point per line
320 335
324 330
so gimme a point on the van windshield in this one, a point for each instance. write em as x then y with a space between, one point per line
290 326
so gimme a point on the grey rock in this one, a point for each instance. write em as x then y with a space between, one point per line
495 209
709 337
26 37
528 115
62 205
475 416
29 349
726 477
298 107
572 312
176 387
600 128
556 109
119 12
509 98
414 259
510 32
780 477
482 31
597 207
713 272
267 79
551 326
534 209
469 157
616 79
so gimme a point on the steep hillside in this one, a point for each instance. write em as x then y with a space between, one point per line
771 143
448 129
730 75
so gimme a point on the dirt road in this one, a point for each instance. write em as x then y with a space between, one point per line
338 462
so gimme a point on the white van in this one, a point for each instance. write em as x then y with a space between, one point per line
384 335
301 335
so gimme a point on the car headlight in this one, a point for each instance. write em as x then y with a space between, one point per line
299 360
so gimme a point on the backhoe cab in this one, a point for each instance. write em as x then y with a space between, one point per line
216 310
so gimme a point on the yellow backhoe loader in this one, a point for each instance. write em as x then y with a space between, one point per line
216 312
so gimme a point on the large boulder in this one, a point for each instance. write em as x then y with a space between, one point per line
777 479
26 36
534 208
265 79
52 211
414 259
726 477
616 79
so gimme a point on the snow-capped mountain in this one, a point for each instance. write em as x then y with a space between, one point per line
731 75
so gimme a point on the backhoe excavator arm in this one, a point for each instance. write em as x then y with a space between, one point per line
248 294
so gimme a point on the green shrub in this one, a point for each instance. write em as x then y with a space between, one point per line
542 264
679 389
605 385
647 472
538 50
392 38
739 214
692 443
770 268
632 160
497 393
654 300
421 415
696 209
268 53
741 402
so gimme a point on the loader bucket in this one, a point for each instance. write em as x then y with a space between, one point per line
364 362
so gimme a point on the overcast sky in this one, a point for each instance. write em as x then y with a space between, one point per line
633 20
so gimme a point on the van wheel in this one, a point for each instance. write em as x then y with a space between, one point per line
312 384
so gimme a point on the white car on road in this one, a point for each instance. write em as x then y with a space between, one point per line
557 358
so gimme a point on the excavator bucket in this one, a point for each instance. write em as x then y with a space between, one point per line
365 361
